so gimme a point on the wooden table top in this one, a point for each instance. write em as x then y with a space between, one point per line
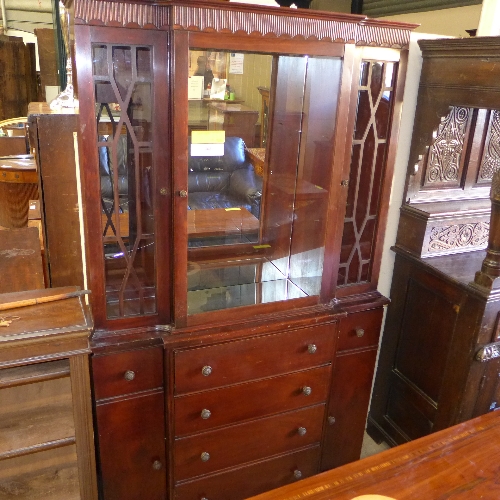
221 221
459 463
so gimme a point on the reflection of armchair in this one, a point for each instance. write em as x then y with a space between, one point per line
224 181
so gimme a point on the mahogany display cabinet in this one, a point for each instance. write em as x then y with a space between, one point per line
439 357
237 316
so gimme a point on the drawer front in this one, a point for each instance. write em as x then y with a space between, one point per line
205 410
237 444
360 329
253 479
242 360
127 372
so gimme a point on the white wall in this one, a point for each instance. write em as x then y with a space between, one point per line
401 162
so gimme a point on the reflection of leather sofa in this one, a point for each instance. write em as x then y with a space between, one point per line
224 181
106 168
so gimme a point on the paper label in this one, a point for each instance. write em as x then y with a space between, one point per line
208 136
207 149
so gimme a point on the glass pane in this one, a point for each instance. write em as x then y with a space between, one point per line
124 143
369 149
259 161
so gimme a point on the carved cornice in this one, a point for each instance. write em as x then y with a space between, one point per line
222 18
121 14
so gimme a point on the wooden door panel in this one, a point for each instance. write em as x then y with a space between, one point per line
348 407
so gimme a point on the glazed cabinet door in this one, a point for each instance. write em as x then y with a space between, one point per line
124 150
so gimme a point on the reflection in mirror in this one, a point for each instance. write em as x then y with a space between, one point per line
259 166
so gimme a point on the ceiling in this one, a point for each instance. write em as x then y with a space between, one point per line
26 15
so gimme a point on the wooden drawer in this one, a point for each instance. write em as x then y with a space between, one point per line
127 372
253 479
205 410
360 329
255 358
237 444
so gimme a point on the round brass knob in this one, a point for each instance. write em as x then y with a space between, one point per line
360 332
129 375
311 348
183 193
297 474
205 456
306 390
205 414
156 465
302 431
331 420
163 191
206 370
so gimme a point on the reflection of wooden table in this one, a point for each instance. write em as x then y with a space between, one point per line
221 222
460 462
18 185
257 157
237 120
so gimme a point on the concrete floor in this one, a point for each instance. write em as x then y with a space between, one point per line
370 447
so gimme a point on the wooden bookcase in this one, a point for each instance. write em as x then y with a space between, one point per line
233 354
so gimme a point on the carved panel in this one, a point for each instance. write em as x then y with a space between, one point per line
459 236
443 165
491 158
227 20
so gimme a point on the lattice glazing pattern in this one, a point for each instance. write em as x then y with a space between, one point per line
369 148
123 93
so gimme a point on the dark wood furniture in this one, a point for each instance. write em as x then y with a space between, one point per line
46 432
237 365
438 363
52 138
459 462
18 185
20 260
237 120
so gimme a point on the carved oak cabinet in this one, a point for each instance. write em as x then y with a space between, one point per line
439 359
236 312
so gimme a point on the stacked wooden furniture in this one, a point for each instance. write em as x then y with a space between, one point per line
224 369
46 437
439 357
52 137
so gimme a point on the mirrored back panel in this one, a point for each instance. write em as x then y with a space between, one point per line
260 152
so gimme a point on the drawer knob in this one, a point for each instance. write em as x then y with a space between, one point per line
205 456
312 348
156 465
302 431
205 414
129 375
297 474
360 332
206 371
306 390
331 420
